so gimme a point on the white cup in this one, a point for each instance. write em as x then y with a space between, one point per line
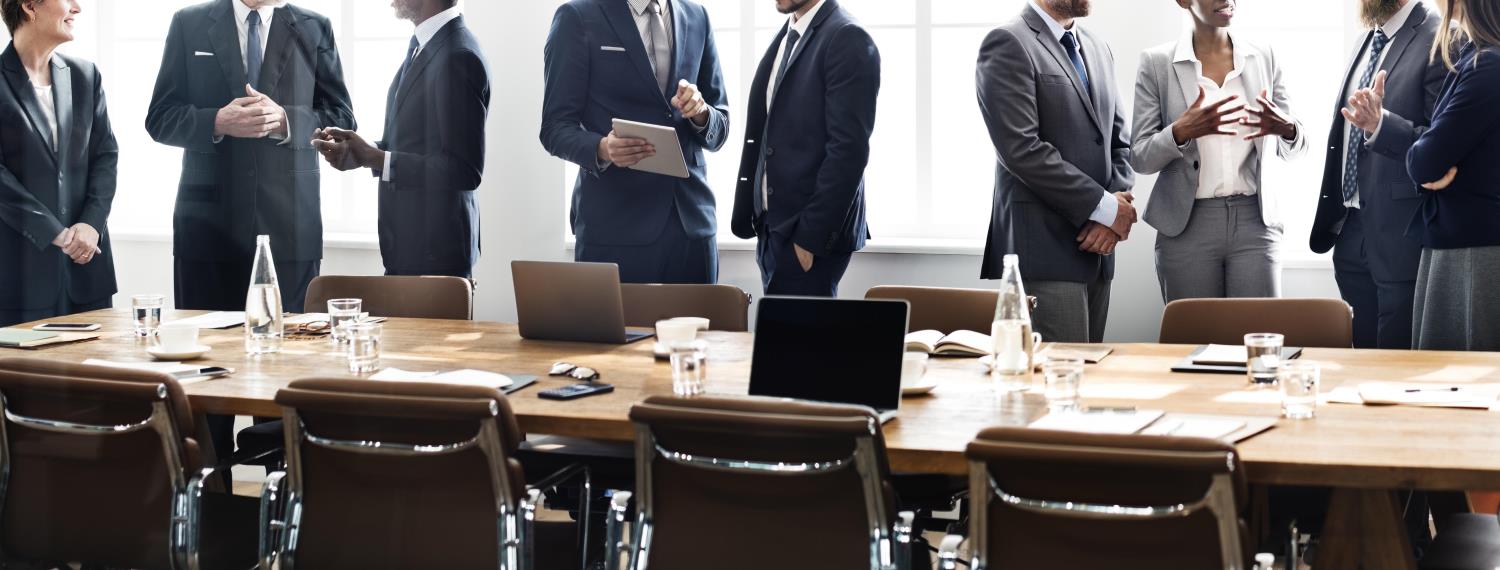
673 331
698 323
913 369
177 338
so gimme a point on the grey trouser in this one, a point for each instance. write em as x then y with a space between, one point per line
1225 251
1068 311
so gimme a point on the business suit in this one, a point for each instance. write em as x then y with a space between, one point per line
234 189
1062 150
1221 246
434 132
46 188
1375 261
658 229
801 178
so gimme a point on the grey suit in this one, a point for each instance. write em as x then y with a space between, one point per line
1061 148
1223 247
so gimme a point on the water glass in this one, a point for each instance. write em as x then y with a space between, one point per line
364 346
342 312
1262 357
1062 377
1299 389
147 311
688 360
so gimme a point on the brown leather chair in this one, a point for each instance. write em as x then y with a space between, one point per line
726 307
753 483
425 297
1325 323
398 475
98 466
1049 499
1465 541
943 309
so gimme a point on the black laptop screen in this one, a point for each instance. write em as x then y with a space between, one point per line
829 350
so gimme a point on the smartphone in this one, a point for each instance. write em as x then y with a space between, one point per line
576 391
203 373
67 327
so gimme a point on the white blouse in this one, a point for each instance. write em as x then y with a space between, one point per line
49 108
1223 157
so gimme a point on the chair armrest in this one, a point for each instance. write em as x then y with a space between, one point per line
272 519
615 542
901 537
948 552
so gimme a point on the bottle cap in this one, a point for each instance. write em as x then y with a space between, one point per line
1265 559
262 239
1011 259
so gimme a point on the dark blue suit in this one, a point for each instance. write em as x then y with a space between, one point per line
812 147
656 228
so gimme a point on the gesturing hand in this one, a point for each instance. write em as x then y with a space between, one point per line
346 150
1097 238
1202 120
624 152
1444 182
1365 106
1269 120
689 101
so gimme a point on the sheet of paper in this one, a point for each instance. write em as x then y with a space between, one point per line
1211 428
1089 422
399 375
466 377
215 320
1227 354
163 367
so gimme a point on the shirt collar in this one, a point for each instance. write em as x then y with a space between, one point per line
242 12
429 27
1398 20
639 6
802 24
1053 25
1185 51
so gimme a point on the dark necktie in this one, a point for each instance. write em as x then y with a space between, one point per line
1071 45
1356 134
253 55
791 46
411 54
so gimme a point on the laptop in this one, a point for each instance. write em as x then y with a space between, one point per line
830 350
571 301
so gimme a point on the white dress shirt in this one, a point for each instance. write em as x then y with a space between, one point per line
49 109
1222 157
1109 206
799 25
1393 26
424 33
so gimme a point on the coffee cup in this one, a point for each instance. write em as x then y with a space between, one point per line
177 338
674 331
698 323
913 368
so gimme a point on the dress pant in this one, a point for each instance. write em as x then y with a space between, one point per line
673 258
782 274
1068 311
1376 275
1225 251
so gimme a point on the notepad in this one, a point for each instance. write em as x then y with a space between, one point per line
22 338
466 377
1221 354
1122 423
958 343
1089 353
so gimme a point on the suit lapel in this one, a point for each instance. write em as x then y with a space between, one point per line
1055 49
829 7
679 47
1350 75
225 38
623 22
279 50
1098 80
1404 38
20 86
62 99
424 57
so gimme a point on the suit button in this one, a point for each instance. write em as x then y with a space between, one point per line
1195 165
1098 140
669 115
770 151
770 191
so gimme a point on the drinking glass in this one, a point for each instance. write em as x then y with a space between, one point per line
1299 389
688 358
342 312
364 346
1062 377
147 310
1262 357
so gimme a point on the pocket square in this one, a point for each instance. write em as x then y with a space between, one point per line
203 53
611 48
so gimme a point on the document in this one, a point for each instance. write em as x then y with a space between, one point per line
668 159
1421 394
959 343
1089 421
466 377
1089 353
215 320
22 338
1222 354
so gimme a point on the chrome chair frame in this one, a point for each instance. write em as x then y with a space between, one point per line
279 536
187 493
890 548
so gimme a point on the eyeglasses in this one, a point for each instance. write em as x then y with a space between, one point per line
574 371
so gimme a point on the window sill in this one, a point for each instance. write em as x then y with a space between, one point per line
889 245
331 240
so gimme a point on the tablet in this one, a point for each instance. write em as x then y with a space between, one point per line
668 158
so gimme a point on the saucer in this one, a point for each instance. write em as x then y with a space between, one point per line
160 353
923 387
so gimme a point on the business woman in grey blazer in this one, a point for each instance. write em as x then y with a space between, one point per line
1208 109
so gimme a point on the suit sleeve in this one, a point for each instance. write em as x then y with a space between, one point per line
1286 149
565 92
331 106
172 119
851 86
1007 99
104 158
1467 118
1398 133
1154 147
457 164
711 84
20 210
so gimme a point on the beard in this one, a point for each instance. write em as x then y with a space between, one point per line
791 5
1376 12
1070 8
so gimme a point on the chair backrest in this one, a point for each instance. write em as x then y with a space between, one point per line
94 461
943 309
726 307
1069 500
1325 323
424 297
397 475
773 481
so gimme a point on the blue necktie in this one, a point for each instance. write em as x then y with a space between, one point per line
1356 134
411 54
253 55
1071 45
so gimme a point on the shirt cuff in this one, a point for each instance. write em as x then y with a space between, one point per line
285 136
1370 140
385 171
1106 211
705 124
602 165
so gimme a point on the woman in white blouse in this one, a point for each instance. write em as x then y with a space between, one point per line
1207 107
57 170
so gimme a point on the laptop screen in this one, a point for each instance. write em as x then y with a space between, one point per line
829 350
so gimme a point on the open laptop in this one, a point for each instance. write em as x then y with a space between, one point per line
571 301
830 350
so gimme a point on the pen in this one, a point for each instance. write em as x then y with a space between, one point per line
1448 389
1110 410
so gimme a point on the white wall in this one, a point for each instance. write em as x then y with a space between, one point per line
523 210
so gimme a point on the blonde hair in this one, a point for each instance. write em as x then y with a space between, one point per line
1476 21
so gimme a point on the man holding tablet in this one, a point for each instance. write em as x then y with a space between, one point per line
644 61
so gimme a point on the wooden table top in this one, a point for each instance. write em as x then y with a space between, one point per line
1345 446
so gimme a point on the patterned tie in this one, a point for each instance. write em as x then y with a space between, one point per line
253 55
661 47
1070 44
1356 134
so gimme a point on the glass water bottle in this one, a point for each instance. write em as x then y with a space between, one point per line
263 324
1011 331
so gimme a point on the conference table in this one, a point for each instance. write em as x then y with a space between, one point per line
1363 452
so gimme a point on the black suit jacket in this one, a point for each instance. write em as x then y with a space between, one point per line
816 137
43 192
434 130
236 189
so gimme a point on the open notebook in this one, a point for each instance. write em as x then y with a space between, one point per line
959 343
1155 422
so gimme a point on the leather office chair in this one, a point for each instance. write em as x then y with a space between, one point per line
943 309
759 483
726 307
100 467
1464 542
1048 499
1325 323
398 475
425 297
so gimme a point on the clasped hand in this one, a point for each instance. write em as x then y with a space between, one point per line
253 116
1101 239
80 243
